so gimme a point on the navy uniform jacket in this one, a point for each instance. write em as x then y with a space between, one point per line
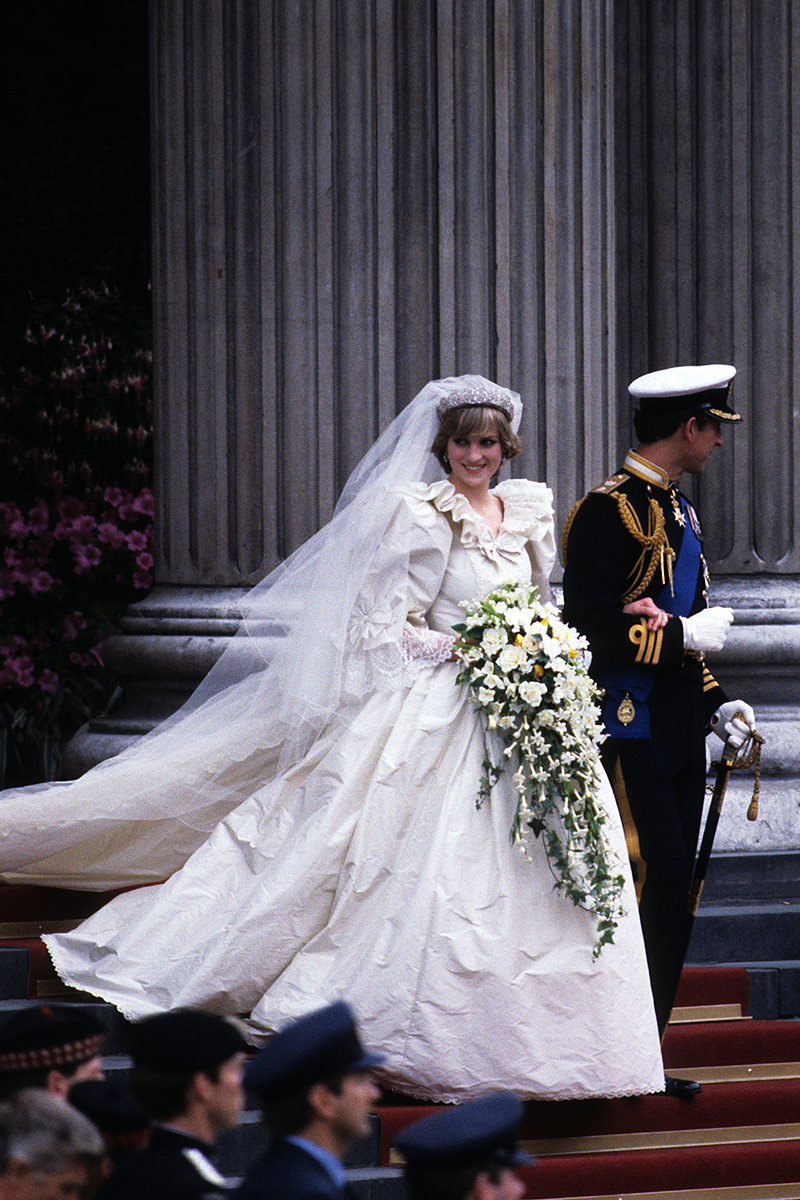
622 542
174 1166
285 1169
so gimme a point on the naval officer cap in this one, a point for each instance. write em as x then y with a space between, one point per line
319 1046
704 388
184 1040
479 1131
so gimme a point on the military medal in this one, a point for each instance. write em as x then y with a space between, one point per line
626 712
676 506
694 522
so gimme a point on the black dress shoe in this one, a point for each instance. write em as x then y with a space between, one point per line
681 1089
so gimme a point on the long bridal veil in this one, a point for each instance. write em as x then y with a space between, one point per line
315 633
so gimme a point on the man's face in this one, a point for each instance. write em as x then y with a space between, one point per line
225 1098
352 1107
21 1183
508 1187
700 444
58 1084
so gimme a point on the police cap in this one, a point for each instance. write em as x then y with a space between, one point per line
184 1040
318 1046
482 1130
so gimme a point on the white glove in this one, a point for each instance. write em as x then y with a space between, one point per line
706 630
730 728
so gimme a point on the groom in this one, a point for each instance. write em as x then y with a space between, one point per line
636 585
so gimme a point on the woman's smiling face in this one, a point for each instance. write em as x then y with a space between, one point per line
474 458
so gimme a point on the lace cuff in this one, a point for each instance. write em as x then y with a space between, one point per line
424 647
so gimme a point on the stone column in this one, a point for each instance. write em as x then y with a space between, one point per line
706 111
348 200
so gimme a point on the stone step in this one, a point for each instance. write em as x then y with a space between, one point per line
754 932
736 877
774 988
14 969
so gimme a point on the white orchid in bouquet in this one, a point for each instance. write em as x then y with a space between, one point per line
527 674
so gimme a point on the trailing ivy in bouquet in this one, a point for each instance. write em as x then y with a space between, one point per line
527 674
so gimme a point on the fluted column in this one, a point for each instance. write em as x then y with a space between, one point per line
348 200
710 261
354 196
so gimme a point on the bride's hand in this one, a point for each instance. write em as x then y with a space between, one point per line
460 642
656 617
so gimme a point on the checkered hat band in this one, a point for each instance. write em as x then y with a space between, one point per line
52 1056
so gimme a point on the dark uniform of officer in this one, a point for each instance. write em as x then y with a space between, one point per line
636 537
169 1050
314 1080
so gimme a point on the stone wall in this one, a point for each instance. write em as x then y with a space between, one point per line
351 198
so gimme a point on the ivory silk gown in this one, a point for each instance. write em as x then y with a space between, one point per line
365 871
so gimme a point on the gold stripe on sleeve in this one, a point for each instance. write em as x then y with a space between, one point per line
638 634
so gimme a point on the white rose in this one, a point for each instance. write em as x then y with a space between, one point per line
550 646
510 658
513 617
492 641
532 692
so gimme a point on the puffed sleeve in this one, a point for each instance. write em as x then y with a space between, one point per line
388 630
528 507
430 549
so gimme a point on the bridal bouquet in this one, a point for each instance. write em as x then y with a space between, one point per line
526 670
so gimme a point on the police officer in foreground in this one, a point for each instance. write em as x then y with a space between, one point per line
314 1081
465 1153
636 585
187 1075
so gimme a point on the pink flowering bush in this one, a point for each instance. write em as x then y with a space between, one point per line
76 527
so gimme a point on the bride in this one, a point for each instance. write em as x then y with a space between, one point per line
306 827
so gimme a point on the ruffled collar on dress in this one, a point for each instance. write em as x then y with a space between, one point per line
526 512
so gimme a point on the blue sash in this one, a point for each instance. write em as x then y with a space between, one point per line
685 570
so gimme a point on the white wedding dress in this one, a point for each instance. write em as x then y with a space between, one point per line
364 871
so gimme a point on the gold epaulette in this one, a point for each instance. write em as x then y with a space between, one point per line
656 550
613 481
608 485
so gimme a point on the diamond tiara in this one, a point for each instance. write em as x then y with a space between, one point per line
478 396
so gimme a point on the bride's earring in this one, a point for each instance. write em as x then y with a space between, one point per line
446 462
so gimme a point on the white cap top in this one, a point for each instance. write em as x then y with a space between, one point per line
683 381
